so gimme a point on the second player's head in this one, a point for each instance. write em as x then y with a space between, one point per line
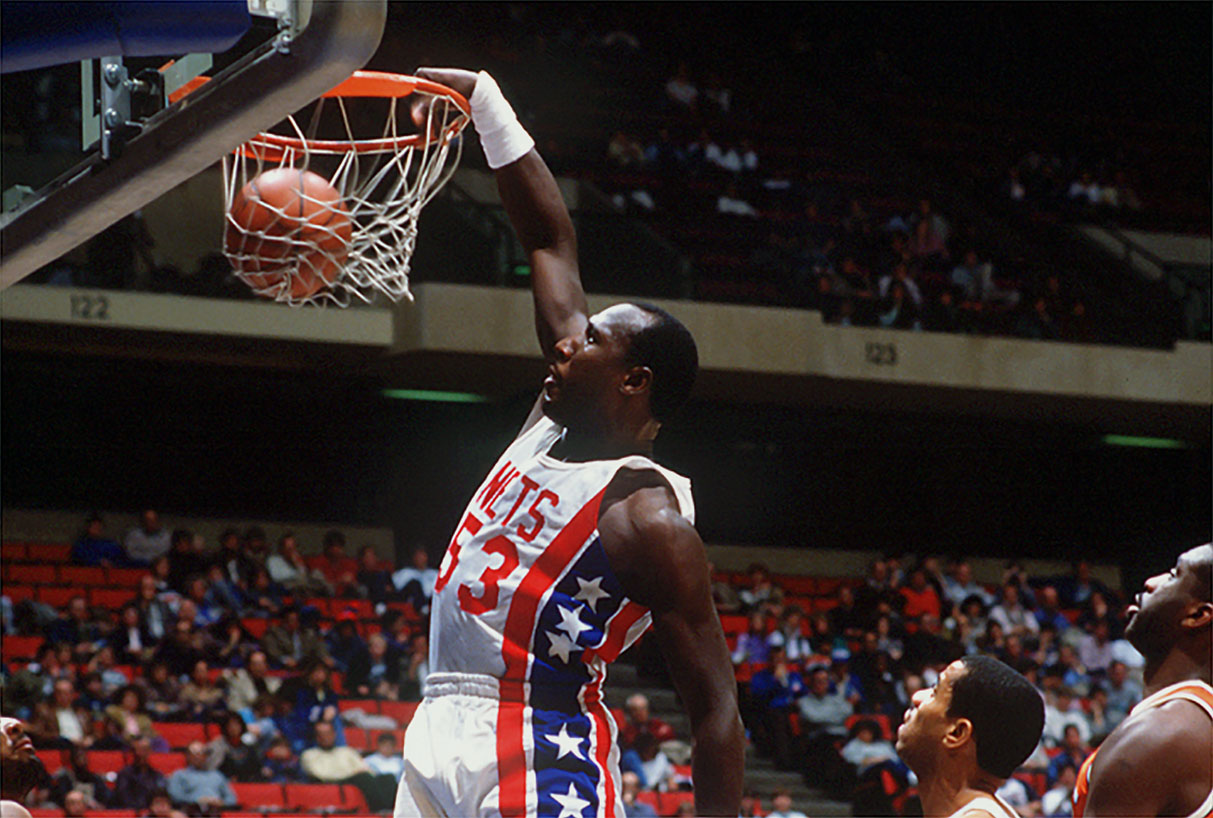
981 717
632 363
1175 609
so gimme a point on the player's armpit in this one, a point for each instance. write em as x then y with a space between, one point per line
1156 766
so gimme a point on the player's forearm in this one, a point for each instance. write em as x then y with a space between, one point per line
719 761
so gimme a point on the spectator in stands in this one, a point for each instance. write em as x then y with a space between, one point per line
184 561
128 716
1123 692
1096 610
198 788
680 90
146 541
412 686
1011 614
415 582
782 806
76 804
823 716
105 667
155 613
94 548
255 548
330 764
1019 795
182 649
291 571
310 700
846 619
35 681
762 592
76 627
375 673
1084 190
75 775
1101 726
623 151
640 722
866 747
233 566
724 595
387 759
790 636
1072 749
1095 648
774 691
1061 711
57 722
752 646
959 585
1074 675
630 788
161 805
345 646
131 642
730 203
290 645
339 569
374 579
1048 609
201 698
264 598
232 752
1056 803
280 766
138 781
247 684
161 691
920 598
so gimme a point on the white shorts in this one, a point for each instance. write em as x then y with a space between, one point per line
470 752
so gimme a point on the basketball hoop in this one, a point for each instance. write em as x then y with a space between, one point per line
383 181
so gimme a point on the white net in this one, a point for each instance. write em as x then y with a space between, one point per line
349 234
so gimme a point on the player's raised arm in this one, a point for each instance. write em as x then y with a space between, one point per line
533 203
659 558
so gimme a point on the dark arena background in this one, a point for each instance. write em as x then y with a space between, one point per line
949 270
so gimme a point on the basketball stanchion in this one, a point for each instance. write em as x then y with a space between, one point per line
326 219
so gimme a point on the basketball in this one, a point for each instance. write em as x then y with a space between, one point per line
288 222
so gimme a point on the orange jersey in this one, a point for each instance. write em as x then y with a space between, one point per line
1196 692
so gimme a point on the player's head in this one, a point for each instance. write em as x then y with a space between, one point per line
981 717
1174 611
631 360
20 767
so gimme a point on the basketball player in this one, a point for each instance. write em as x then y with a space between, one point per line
573 546
965 736
20 768
1159 760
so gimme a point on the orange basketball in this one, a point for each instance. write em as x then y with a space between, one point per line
288 222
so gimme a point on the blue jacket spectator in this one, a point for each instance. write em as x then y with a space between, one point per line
197 786
95 549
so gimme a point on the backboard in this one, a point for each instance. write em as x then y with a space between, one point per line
146 140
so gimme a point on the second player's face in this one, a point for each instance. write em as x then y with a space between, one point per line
14 743
1157 610
927 720
585 378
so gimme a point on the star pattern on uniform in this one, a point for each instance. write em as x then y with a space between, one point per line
591 592
562 646
571 804
570 622
566 744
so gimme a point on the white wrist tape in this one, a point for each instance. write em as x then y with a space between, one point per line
501 134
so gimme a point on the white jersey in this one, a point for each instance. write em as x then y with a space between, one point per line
527 611
991 804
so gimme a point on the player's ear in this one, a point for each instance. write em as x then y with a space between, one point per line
637 380
958 734
1199 617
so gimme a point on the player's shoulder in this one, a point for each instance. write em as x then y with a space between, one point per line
645 506
1151 742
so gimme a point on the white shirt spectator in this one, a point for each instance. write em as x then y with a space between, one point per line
867 754
736 207
1057 720
681 90
392 765
657 771
1014 618
146 546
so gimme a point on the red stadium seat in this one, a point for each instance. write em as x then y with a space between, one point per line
363 608
734 623
647 797
106 761
45 812
356 737
19 647
337 682
670 801
124 577
111 598
13 551
82 575
256 626
402 712
180 734
320 604
52 760
167 763
354 800
19 593
58 597
795 585
828 586
260 796
49 552
39 574
313 796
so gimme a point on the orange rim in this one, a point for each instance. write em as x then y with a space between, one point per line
361 84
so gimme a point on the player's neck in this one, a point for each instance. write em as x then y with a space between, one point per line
947 790
1177 666
579 447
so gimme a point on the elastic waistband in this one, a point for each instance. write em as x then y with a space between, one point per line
482 686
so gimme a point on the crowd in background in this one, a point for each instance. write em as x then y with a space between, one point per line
823 691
